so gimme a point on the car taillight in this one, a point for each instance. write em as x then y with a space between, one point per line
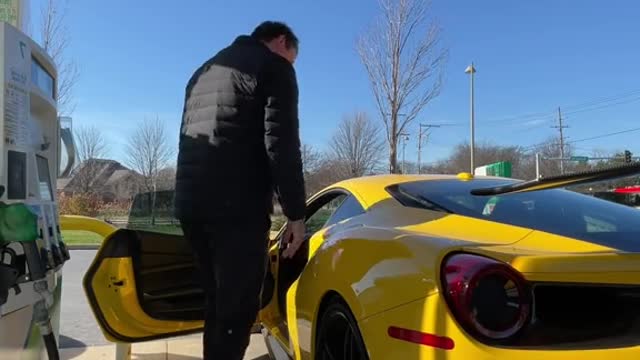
489 298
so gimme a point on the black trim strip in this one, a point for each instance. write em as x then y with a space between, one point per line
578 178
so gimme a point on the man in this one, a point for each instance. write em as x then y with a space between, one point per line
239 141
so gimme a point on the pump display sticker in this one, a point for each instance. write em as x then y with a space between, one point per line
16 106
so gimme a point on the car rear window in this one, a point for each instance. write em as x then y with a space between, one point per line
559 211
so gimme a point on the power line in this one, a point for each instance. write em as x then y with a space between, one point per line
605 135
535 146
420 133
586 106
604 106
603 99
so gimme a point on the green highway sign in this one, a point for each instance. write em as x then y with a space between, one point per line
579 158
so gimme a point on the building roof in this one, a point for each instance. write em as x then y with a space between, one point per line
104 173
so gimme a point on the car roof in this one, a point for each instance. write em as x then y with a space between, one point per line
370 190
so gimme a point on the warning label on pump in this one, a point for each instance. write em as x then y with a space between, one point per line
16 115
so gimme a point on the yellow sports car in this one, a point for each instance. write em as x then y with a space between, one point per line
412 267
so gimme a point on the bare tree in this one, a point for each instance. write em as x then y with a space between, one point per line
485 153
358 144
311 159
54 38
329 171
166 179
91 146
549 151
149 151
404 61
91 143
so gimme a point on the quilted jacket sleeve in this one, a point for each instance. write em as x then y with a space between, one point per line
282 138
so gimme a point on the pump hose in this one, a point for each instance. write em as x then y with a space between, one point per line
52 347
46 330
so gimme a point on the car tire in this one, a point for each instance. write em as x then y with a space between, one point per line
337 329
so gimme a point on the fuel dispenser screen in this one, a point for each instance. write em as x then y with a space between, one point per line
41 78
44 180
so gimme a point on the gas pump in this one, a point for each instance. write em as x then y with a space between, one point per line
32 252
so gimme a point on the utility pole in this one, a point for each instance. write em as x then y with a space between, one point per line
420 133
405 137
560 127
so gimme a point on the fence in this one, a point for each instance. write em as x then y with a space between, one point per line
126 221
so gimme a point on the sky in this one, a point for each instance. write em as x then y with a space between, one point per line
531 57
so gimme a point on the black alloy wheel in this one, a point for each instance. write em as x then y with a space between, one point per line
338 335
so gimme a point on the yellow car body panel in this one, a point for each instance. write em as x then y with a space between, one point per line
387 276
85 223
119 305
431 315
113 294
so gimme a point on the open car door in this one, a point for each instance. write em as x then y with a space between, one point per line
143 283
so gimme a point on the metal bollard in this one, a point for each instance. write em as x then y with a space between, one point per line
123 351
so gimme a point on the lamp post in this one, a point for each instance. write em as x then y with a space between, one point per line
471 70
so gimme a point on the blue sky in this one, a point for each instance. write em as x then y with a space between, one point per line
531 57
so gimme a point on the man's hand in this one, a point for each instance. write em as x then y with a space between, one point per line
292 238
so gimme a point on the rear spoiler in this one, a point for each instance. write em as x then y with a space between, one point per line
551 182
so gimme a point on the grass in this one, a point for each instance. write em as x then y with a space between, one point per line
80 237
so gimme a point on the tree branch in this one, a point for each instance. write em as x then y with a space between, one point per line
404 62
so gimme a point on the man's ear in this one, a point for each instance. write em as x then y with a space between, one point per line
282 40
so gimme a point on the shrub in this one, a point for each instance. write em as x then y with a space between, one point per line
79 204
115 208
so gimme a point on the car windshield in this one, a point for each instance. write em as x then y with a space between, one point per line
560 211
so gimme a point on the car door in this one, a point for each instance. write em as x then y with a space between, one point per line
143 283
323 212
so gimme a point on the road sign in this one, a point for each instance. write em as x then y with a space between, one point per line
502 168
579 158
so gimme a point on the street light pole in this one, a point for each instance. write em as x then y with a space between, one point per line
471 70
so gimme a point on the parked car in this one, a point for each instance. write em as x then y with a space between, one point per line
412 267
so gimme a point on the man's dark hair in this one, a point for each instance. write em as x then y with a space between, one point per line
270 30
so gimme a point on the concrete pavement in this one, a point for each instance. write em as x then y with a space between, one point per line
78 326
81 338
176 349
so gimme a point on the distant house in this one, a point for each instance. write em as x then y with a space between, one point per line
107 178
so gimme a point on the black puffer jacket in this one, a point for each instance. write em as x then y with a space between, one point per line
239 139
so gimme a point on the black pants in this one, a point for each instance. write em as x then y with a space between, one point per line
232 256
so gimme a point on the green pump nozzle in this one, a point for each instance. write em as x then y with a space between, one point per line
17 224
